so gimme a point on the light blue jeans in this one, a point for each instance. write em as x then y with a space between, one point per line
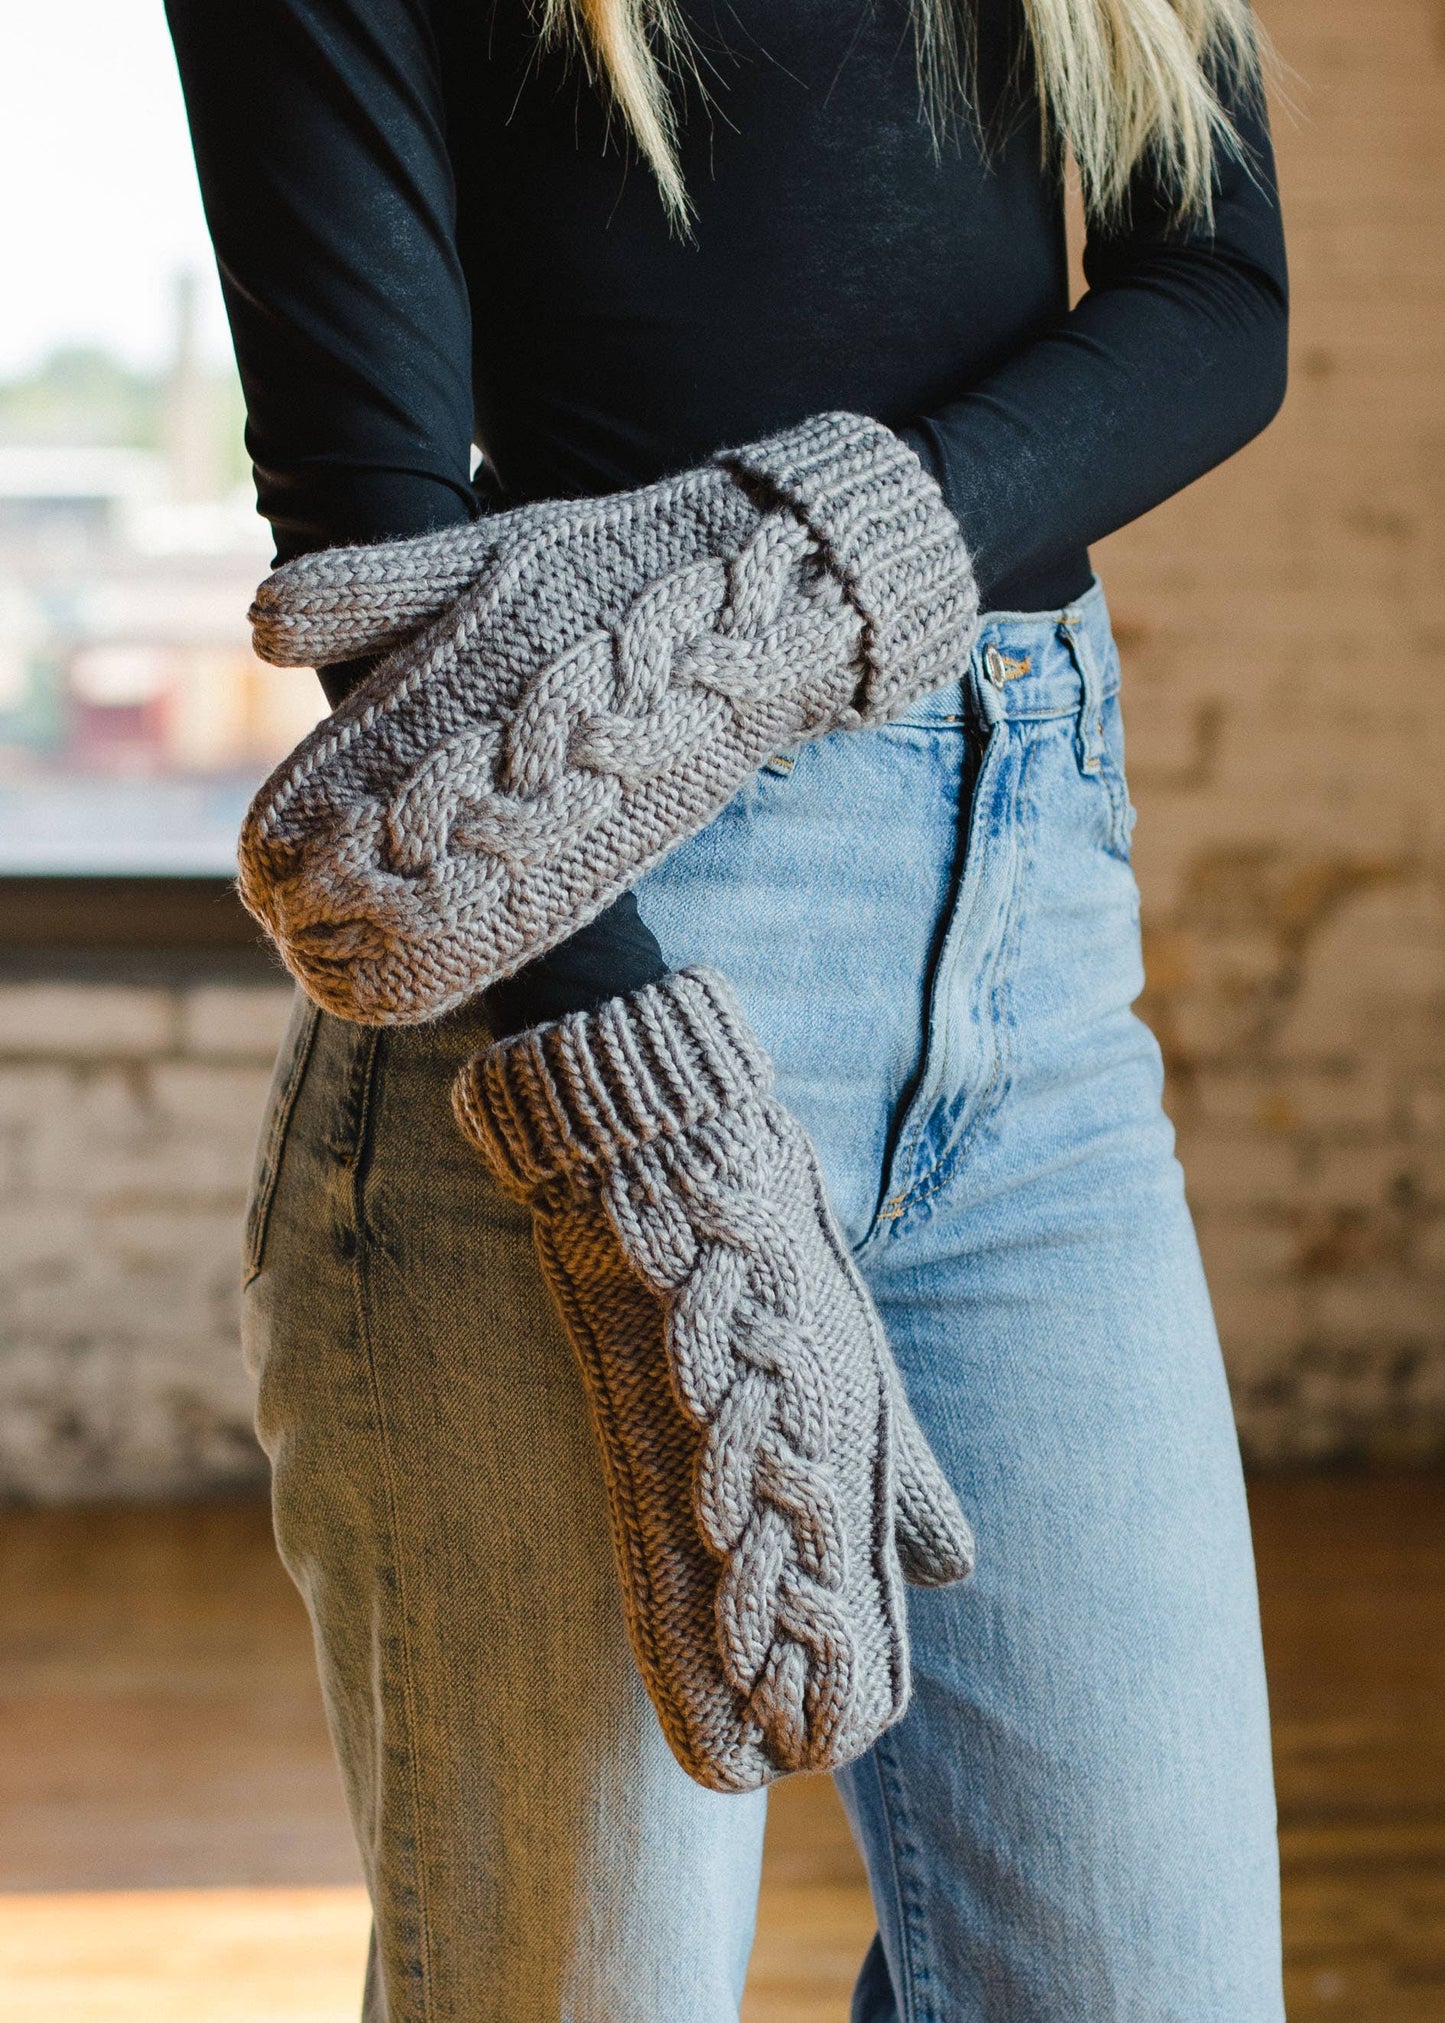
934 928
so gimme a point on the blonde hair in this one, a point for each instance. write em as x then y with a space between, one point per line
1116 80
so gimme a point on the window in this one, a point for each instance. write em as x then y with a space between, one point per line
134 720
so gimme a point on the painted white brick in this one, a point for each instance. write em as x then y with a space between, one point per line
1379 1177
32 1091
1377 1307
94 1419
212 1116
1378 966
1429 1255
230 1020
1238 1170
1248 1250
1282 628
174 1131
1356 1099
1427 1105
1258 1319
84 1020
42 1239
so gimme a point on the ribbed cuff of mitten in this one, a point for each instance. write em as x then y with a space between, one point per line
888 531
598 1084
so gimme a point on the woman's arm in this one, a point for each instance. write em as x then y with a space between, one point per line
320 145
321 148
1174 358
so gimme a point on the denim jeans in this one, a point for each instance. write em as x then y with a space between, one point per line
934 928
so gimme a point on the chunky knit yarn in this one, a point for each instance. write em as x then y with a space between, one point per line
571 689
762 1464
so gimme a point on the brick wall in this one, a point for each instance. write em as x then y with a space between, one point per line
1283 635
1283 631
127 1115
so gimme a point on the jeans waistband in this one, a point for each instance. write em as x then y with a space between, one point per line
1028 665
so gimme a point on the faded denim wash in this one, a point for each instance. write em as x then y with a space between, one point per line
934 928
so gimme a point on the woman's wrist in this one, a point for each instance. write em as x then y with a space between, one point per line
924 448
612 956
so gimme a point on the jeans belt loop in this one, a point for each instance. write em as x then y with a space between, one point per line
1089 725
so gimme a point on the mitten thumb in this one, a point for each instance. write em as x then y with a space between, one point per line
934 1538
343 602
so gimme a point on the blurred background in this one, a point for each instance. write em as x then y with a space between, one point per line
173 1846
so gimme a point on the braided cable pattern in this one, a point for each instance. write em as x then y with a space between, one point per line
711 1222
751 1463
572 690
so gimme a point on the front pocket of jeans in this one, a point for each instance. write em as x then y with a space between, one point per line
286 1083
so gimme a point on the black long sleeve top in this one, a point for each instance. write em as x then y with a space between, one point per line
429 235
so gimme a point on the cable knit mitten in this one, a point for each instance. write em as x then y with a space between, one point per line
763 1469
572 689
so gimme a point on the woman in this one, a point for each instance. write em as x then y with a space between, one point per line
436 225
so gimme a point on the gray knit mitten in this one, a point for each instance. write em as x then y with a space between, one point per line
572 689
763 1469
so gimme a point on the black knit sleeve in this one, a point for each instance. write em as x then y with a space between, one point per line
320 143
1170 362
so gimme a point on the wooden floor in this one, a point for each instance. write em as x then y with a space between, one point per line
174 1849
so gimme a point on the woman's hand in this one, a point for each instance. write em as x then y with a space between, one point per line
573 689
